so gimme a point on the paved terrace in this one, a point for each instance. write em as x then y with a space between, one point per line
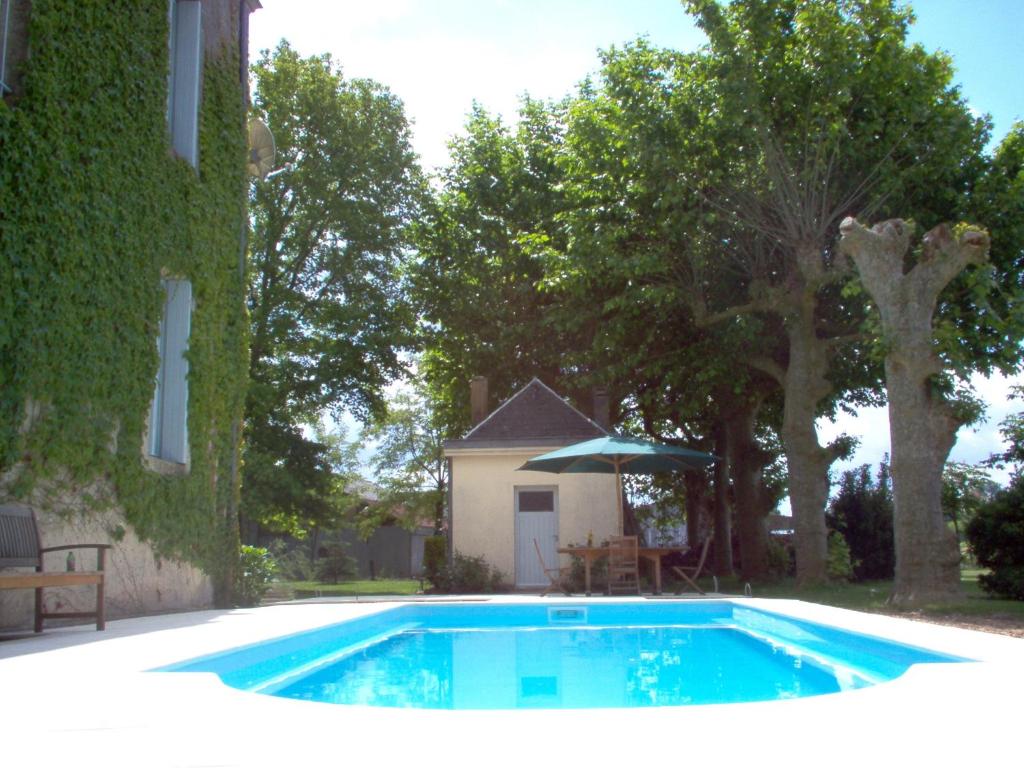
77 697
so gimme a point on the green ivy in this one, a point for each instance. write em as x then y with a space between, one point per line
95 208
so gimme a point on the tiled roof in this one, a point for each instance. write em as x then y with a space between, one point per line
533 414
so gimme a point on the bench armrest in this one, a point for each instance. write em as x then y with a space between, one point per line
101 552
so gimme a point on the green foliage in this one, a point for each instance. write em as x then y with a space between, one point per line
408 462
308 484
435 557
293 562
1012 430
95 208
982 312
329 319
779 558
256 569
335 564
578 575
996 536
481 250
838 565
466 575
964 489
862 513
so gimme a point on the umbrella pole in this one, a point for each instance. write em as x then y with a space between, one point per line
618 498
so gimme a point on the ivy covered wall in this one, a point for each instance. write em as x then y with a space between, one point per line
94 209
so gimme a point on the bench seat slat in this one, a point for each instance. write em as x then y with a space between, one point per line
59 579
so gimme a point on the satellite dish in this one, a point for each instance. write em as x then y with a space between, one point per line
261 149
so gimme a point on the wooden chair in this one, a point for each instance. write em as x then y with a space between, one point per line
690 573
623 564
20 546
557 576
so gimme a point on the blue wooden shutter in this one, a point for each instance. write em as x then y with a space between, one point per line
169 419
157 408
174 434
172 25
186 77
5 23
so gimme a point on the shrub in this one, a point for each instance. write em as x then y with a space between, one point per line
578 576
780 558
838 565
467 574
996 535
335 564
862 513
293 563
253 576
435 557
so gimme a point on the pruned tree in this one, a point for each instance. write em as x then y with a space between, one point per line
923 421
837 114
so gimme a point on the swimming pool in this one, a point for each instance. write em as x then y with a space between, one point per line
565 656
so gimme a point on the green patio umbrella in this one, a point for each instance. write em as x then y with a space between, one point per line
621 455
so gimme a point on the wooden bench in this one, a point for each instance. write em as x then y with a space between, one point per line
21 547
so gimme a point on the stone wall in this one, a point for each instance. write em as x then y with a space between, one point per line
137 582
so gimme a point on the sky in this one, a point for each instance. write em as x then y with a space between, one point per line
441 56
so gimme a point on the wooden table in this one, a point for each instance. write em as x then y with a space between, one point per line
589 554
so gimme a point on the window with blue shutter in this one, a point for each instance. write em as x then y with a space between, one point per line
5 24
168 421
183 87
14 16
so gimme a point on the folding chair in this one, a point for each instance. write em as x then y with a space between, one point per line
557 576
690 573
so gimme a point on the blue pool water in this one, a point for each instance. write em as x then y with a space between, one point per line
566 657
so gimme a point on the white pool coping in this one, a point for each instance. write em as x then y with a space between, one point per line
77 697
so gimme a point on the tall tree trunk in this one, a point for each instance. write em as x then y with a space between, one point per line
720 505
745 468
922 423
805 386
314 544
698 505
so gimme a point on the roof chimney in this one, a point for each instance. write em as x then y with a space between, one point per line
602 411
477 399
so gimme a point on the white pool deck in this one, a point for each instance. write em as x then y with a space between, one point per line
77 697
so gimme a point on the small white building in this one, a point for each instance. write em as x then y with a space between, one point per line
497 511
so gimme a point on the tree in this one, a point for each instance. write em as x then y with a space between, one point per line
304 489
409 462
965 488
630 139
836 114
922 422
1012 429
862 512
329 231
480 247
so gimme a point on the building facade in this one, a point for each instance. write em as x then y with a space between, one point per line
123 331
497 511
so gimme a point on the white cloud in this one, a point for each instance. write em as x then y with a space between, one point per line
974 444
439 57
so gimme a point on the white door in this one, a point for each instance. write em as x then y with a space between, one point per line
536 518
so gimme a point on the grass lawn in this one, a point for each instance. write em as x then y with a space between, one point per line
976 610
359 588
